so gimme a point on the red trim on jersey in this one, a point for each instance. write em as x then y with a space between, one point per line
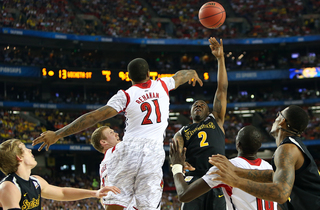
135 208
115 205
105 154
113 149
164 85
144 85
227 187
128 100
255 162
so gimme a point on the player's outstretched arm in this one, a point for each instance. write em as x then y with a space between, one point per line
183 76
84 121
10 196
178 137
186 193
286 156
220 98
71 194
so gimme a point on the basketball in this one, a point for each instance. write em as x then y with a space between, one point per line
212 15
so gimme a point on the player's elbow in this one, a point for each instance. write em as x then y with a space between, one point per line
185 198
282 199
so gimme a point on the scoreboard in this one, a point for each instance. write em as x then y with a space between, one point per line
99 75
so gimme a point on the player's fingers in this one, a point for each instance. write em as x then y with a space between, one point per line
221 42
174 150
115 190
47 147
41 147
194 82
38 140
200 82
184 152
175 145
213 40
43 133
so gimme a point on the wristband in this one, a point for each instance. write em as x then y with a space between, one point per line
177 168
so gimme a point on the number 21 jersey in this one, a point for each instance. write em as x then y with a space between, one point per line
146 108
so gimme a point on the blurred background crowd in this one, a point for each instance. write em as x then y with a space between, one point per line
161 19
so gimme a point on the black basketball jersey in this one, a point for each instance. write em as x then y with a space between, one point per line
305 193
30 191
202 140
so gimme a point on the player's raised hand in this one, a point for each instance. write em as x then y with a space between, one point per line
104 191
216 48
175 155
47 139
195 79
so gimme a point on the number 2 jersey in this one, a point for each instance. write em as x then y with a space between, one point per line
146 108
237 199
202 140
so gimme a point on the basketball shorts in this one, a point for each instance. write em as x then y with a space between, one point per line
135 167
214 199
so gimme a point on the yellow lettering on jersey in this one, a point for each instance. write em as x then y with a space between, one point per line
319 173
30 204
289 199
203 142
190 133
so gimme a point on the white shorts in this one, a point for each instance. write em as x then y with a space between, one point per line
135 167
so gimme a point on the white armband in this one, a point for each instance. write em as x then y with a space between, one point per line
177 168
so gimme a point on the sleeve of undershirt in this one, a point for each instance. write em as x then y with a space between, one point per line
208 177
118 101
170 82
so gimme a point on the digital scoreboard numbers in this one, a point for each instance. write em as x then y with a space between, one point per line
63 74
99 75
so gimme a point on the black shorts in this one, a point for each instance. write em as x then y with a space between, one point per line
212 200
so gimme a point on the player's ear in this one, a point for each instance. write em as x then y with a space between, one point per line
282 122
103 142
19 158
238 145
148 74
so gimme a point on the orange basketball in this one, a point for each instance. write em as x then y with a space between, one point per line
212 15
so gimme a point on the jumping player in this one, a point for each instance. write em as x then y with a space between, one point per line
248 142
135 166
205 136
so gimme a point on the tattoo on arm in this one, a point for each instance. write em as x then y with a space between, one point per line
259 175
217 105
183 76
84 121
280 189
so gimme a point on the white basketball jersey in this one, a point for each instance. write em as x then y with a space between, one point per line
237 199
146 108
